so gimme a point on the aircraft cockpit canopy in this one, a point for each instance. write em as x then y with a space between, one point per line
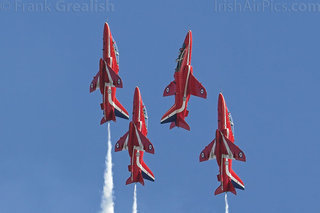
145 115
231 122
116 50
180 57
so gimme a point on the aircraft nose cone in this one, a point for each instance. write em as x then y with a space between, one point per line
106 25
136 92
221 103
136 98
221 98
106 28
188 38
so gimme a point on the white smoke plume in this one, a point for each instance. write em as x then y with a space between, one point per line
107 204
135 205
226 201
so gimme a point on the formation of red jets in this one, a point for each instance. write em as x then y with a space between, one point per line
135 141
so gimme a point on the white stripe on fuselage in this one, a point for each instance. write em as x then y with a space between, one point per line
140 147
230 155
221 172
113 104
141 167
229 174
226 157
188 51
212 155
139 118
125 145
98 83
224 117
108 73
185 89
109 36
108 86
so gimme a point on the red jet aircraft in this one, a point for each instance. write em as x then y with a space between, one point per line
224 150
136 142
184 85
107 79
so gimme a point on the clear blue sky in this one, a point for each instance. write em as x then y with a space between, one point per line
52 147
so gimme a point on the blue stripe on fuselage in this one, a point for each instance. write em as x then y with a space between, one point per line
170 119
236 185
119 114
147 177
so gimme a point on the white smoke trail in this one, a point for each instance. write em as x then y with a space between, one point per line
226 201
135 205
107 204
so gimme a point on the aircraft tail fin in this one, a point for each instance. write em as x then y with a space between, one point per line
219 190
229 188
108 112
103 120
173 124
183 124
109 116
136 179
180 123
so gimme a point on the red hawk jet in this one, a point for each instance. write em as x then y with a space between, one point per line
224 150
184 85
107 79
136 142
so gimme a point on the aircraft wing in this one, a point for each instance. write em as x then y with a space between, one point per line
196 88
117 82
94 83
144 141
233 151
122 143
208 152
170 89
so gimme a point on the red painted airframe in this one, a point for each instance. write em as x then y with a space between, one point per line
136 142
184 85
224 150
107 79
